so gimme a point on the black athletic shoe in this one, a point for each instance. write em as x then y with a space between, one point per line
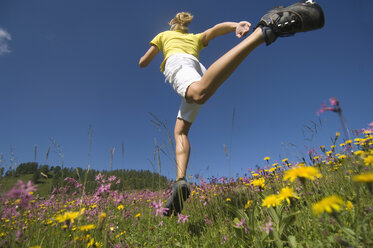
180 192
285 21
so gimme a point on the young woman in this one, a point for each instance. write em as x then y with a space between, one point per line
196 85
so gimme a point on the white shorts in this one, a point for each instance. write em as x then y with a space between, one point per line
181 70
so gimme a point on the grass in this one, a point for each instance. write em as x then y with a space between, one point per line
287 204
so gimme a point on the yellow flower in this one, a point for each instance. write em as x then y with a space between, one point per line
349 205
348 142
308 172
68 216
369 160
328 204
342 156
248 204
337 134
120 207
228 199
272 169
86 228
364 178
286 193
102 217
271 200
138 215
267 158
35 246
258 182
91 242
359 152
285 160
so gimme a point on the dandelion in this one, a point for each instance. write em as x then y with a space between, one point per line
259 182
228 199
248 204
287 193
364 178
86 228
120 207
349 205
302 172
368 160
267 158
271 200
329 204
138 215
68 216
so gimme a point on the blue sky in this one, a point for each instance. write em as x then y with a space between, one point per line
66 66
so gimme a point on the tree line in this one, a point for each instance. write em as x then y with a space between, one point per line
125 179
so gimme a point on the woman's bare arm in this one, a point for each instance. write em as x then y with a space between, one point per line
241 28
148 56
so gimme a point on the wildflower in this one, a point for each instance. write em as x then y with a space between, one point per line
342 156
22 192
267 158
271 200
268 227
68 216
349 205
337 134
359 152
285 160
287 193
228 199
259 182
86 228
182 218
159 209
328 204
302 172
91 243
120 207
369 160
102 217
364 178
248 204
138 215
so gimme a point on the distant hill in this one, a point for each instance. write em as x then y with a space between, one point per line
49 177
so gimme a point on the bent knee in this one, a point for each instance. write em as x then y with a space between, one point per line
199 97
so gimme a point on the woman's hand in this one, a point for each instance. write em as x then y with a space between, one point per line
242 29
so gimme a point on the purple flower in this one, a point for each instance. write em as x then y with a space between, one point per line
74 182
268 227
159 209
182 218
22 192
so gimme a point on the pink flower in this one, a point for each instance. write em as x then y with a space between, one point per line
23 192
182 218
333 101
268 227
159 209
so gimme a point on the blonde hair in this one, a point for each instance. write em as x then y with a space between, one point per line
181 21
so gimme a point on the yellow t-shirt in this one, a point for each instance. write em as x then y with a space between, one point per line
173 42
